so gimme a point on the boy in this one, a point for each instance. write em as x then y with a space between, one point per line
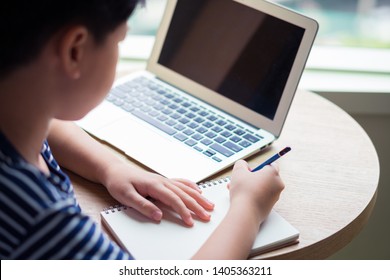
57 62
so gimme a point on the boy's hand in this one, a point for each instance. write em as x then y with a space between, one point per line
76 150
130 186
258 191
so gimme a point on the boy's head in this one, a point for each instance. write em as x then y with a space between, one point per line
26 25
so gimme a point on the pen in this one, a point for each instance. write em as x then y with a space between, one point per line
272 159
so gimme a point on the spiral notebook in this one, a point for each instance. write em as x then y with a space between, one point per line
171 239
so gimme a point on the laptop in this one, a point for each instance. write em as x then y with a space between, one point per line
217 87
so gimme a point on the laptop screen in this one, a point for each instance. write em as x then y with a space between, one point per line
234 50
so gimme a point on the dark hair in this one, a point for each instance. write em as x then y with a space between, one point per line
26 25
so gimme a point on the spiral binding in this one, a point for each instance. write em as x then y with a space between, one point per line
208 184
114 208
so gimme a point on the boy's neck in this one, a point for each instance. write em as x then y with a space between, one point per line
24 125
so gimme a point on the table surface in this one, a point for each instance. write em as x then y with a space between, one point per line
331 178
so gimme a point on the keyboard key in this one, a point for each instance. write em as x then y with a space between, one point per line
118 93
171 122
206 141
212 118
150 102
124 87
152 86
235 139
230 127
158 107
193 125
217 129
173 106
157 97
127 107
251 138
130 99
138 104
221 122
197 136
219 139
209 153
208 124
217 159
190 142
153 122
153 113
226 134
201 130
199 120
188 132
199 149
245 143
194 109
181 111
162 118
118 102
166 111
145 108
110 97
180 127
222 150
180 137
165 102
239 132
232 147
211 134
142 98
184 120
175 116
190 115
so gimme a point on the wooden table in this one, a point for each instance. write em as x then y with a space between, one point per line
331 178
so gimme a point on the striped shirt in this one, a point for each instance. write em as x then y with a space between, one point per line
39 215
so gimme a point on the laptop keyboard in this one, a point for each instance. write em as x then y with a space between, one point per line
200 128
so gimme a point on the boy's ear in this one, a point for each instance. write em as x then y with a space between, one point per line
73 49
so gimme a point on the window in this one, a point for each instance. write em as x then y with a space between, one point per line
145 20
352 48
348 23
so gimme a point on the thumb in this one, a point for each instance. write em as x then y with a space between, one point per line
241 164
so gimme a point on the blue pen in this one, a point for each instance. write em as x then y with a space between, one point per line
272 159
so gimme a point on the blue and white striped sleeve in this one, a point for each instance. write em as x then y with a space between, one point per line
62 232
39 221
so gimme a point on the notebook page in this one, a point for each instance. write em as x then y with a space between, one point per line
172 239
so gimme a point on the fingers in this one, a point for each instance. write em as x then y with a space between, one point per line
276 166
183 196
268 177
194 192
144 206
169 198
188 183
241 164
279 184
184 200
149 209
